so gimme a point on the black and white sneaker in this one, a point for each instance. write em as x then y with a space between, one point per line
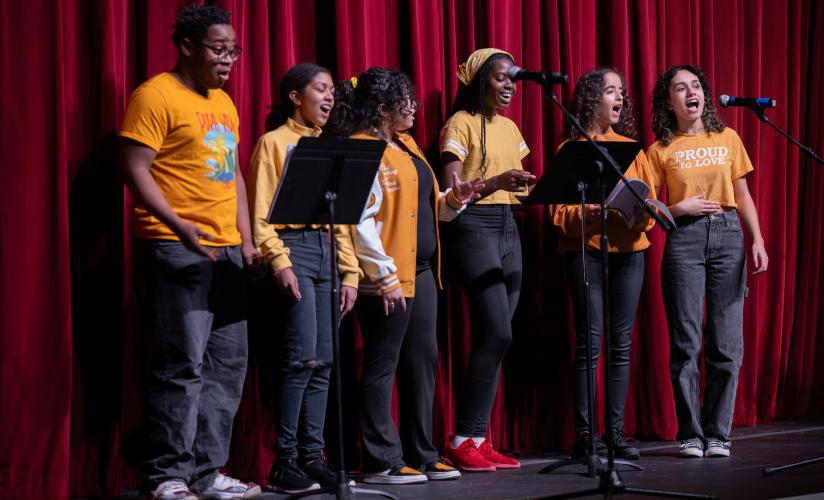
717 448
228 488
287 477
439 471
692 448
400 474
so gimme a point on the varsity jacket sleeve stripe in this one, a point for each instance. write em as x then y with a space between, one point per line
379 267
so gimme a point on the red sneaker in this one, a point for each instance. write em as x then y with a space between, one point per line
500 461
466 457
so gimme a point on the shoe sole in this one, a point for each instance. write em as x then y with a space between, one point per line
462 468
717 454
394 480
506 466
692 454
443 476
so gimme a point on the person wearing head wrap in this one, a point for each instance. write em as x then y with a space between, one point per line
484 244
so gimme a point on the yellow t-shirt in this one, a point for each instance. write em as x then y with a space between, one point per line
694 164
195 138
505 148
265 170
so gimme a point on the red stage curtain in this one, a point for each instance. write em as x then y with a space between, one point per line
69 343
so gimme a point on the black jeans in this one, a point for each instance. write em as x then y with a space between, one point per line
486 253
406 342
626 277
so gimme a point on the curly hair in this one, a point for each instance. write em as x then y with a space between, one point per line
472 99
356 108
664 122
586 102
193 22
296 78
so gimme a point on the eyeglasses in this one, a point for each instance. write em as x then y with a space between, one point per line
221 52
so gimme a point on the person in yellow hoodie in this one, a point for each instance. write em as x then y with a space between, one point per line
398 247
298 256
704 165
601 104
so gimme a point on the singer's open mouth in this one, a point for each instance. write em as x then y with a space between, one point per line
693 104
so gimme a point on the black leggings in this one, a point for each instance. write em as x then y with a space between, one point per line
486 251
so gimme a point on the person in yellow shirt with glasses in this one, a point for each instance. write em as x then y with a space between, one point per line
179 158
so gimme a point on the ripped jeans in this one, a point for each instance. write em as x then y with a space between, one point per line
306 348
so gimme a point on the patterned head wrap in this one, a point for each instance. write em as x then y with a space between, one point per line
467 70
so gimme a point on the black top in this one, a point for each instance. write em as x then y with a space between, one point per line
427 238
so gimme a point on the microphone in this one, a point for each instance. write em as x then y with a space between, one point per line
547 77
746 102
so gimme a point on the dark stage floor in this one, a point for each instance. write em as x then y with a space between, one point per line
739 476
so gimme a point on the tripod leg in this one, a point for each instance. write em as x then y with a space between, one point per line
768 471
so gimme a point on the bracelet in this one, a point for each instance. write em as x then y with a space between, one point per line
453 201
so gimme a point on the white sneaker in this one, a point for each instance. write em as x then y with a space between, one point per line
717 448
228 488
174 489
692 448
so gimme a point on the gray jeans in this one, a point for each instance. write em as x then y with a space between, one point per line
307 348
198 361
705 259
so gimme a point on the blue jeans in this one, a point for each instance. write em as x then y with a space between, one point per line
307 348
705 259
198 360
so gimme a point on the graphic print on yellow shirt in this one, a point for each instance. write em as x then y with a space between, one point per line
694 164
195 168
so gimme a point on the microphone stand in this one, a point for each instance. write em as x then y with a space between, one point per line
759 112
610 481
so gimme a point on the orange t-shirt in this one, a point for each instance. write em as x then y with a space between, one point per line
694 164
567 218
196 139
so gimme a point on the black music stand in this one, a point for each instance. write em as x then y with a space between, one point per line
313 190
575 176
